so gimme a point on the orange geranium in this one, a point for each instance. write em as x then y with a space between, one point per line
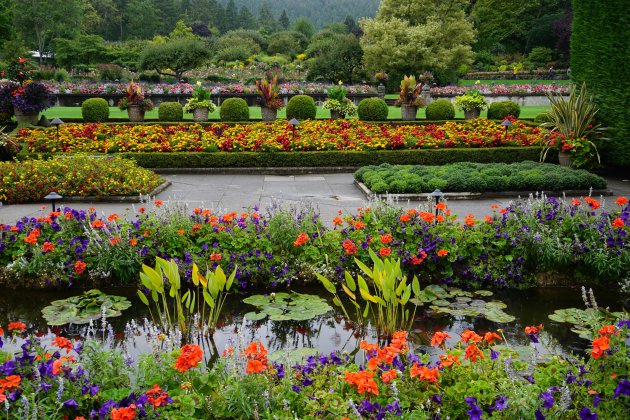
337 221
439 337
9 382
156 396
608 330
594 204
255 366
469 335
470 220
301 239
359 225
257 355
533 329
490 337
363 380
17 326
123 413
190 356
349 247
472 352
622 201
442 253
618 222
62 343
600 345
98 224
448 360
399 340
79 267
215 257
389 375
48 246
385 252
424 373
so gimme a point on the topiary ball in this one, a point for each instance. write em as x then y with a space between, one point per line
373 109
500 110
442 109
170 111
234 109
95 110
301 107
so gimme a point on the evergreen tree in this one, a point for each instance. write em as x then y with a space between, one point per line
169 12
247 19
7 32
304 26
284 20
230 18
266 21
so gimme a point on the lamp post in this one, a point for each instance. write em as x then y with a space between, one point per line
294 123
506 123
56 122
437 195
53 197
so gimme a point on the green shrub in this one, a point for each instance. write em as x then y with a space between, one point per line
95 110
442 109
234 109
373 109
543 117
500 110
170 111
301 107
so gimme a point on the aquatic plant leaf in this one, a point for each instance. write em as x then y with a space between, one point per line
287 307
483 293
255 316
293 356
91 305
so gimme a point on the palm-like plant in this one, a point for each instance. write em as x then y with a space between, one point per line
269 93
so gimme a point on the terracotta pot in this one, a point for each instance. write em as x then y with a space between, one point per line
268 114
408 112
25 117
200 114
564 159
473 113
136 113
335 115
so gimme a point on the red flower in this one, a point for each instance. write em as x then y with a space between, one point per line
48 246
442 253
608 330
389 375
349 247
622 201
533 330
158 203
255 366
97 224
337 221
215 257
439 337
472 352
385 252
113 217
156 396
17 326
575 202
79 267
62 343
600 345
618 223
448 360
489 337
363 380
359 225
425 373
594 204
191 355
386 238
469 335
301 239
123 413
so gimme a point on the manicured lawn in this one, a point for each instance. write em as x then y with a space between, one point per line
254 112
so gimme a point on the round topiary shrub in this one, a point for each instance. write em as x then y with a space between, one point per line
95 110
500 110
170 111
234 109
543 117
442 109
373 109
301 107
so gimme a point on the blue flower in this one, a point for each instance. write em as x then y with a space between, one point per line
623 388
586 414
539 415
475 412
71 404
500 404
548 399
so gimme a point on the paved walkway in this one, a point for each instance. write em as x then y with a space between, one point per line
327 192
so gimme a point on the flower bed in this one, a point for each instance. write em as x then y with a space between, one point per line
476 177
77 176
506 249
471 376
350 135
503 90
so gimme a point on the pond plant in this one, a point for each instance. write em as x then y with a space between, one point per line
90 306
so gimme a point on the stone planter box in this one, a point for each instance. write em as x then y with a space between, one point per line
522 100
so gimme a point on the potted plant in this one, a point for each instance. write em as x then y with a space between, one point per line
28 101
269 98
135 103
410 100
382 78
199 104
8 146
472 103
338 104
6 101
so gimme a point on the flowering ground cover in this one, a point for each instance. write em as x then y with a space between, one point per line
76 176
504 89
508 248
475 375
476 177
345 135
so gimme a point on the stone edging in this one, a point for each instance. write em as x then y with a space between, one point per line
257 171
117 198
482 196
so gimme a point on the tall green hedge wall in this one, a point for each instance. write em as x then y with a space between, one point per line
600 55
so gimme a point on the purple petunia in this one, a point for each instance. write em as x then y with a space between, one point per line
500 404
475 412
623 388
548 399
587 414
71 404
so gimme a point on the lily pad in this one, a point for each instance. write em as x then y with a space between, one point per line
483 293
286 307
89 306
293 356
582 320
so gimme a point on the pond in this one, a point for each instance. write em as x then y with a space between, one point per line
327 333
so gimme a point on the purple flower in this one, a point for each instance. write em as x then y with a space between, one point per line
296 388
71 404
586 414
493 354
475 412
500 404
548 399
596 400
539 415
625 323
437 399
623 388
279 370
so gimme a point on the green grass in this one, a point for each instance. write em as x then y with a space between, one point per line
254 112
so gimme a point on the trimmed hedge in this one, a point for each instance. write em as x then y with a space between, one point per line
171 111
324 158
234 109
301 107
476 177
95 110
442 109
599 57
373 109
500 110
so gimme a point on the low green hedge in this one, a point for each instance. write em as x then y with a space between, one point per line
324 158
476 177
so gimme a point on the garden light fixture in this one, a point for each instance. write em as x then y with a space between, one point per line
506 123
294 123
56 122
53 197
437 195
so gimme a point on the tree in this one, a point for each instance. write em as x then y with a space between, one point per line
247 19
85 49
169 13
417 36
178 55
334 57
287 42
304 26
284 20
141 20
181 31
266 21
7 32
230 18
41 21
209 12
352 26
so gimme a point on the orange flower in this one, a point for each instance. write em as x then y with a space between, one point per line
1 331
363 380
17 326
30 239
404 218
575 202
385 252
448 360
158 203
622 201
133 242
440 218
368 347
123 413
12 381
255 366
472 352
439 337
141 210
56 370
533 330
215 257
489 219
97 224
349 247
489 337
191 355
618 222
359 225
424 373
114 240
600 345
301 239
608 330
594 204
469 335
389 375
113 217
415 260
62 343
180 232
386 238
337 221
470 220
79 267
156 396
399 340
48 246
442 253
440 206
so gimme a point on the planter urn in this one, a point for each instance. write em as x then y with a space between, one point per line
473 113
200 114
136 113
564 159
408 112
25 117
268 114
335 115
